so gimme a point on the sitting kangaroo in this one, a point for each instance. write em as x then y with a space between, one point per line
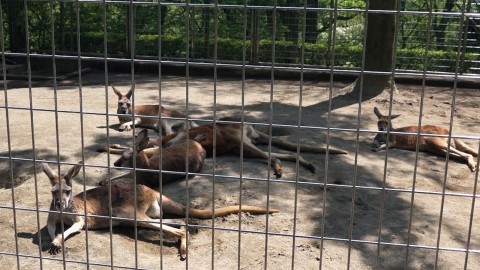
146 206
150 115
172 158
435 145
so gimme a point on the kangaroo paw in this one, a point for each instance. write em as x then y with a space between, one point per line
277 171
103 183
183 246
311 168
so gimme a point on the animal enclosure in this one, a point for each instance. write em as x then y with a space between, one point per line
389 209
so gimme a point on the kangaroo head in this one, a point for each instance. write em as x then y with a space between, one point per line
384 122
125 160
61 187
141 142
124 102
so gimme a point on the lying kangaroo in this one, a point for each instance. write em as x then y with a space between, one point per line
436 145
229 138
124 111
148 157
146 207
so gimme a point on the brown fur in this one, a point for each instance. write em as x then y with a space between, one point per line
173 159
229 139
150 115
127 201
436 145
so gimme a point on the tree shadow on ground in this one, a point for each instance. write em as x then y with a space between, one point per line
96 77
335 199
142 234
357 218
22 166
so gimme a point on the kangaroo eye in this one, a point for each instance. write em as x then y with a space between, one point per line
68 192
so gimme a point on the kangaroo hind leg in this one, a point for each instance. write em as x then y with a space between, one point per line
460 145
440 147
145 221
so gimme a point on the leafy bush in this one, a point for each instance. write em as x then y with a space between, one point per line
436 60
286 52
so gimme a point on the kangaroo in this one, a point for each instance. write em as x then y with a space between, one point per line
147 206
229 138
148 157
435 145
147 116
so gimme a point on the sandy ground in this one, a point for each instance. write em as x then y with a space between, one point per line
362 223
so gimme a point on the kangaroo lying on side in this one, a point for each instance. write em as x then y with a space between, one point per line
148 157
435 145
229 139
147 208
124 111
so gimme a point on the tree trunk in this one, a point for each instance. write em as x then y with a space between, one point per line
206 31
311 21
379 49
440 25
290 20
254 41
129 31
62 26
16 26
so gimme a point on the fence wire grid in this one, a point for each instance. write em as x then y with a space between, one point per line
299 71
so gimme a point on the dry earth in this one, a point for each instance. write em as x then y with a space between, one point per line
441 213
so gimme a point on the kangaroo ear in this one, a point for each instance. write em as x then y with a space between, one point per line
53 176
119 95
129 93
377 112
142 134
394 116
143 143
142 140
72 173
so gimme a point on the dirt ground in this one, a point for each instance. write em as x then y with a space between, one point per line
361 222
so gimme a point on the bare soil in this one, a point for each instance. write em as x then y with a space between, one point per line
362 223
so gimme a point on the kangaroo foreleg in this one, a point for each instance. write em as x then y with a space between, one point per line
104 182
57 243
171 139
250 150
113 149
127 126
293 157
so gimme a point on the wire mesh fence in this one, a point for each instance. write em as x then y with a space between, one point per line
222 65
246 25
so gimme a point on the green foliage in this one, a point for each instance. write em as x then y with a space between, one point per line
194 27
93 42
436 60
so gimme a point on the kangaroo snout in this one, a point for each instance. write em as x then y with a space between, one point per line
60 204
123 109
117 163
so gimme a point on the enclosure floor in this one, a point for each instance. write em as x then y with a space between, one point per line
306 207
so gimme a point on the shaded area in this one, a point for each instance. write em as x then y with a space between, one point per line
144 236
373 209
22 170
